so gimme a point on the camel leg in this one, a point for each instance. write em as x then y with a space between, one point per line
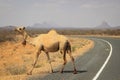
49 62
65 61
36 59
75 71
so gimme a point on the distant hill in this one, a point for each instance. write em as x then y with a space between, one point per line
44 25
103 25
7 28
117 27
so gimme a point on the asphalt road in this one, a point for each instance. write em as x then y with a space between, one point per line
89 65
112 69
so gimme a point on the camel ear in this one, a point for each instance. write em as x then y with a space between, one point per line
23 28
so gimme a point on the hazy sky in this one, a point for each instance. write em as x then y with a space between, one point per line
70 13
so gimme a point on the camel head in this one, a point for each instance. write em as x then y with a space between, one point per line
21 30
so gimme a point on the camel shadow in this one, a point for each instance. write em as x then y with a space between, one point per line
71 71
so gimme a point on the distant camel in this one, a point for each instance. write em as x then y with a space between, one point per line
50 42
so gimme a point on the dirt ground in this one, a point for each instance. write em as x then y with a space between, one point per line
16 59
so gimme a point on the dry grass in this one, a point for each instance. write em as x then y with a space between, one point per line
16 59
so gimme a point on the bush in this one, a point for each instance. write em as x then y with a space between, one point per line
16 70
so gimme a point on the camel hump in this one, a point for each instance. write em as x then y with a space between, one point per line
52 32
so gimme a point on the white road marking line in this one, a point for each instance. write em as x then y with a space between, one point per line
106 61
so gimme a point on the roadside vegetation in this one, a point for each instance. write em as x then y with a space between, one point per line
9 35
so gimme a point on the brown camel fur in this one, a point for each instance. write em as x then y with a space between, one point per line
50 42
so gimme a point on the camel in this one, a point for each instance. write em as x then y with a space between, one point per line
50 42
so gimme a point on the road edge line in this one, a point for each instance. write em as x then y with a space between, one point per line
106 61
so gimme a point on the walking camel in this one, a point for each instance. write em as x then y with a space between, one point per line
50 42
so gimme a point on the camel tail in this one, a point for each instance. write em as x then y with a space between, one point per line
68 46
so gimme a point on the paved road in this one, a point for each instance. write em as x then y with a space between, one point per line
89 64
112 69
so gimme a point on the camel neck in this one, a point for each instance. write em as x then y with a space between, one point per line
28 38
